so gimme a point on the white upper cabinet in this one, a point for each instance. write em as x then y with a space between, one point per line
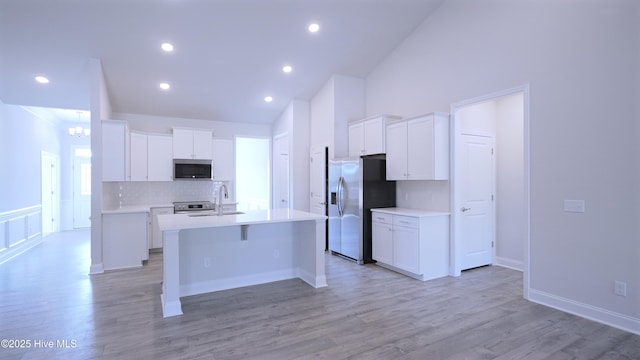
159 158
367 137
418 148
356 139
115 142
192 144
223 160
397 151
151 157
139 154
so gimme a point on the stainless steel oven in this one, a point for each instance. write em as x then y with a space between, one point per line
193 207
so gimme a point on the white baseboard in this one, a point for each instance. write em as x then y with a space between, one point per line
96 269
509 263
315 281
620 321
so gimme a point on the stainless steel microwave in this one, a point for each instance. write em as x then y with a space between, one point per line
191 169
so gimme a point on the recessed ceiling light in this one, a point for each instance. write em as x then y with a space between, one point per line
164 86
314 27
167 47
287 68
42 80
268 99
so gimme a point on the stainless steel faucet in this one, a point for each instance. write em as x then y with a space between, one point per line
226 196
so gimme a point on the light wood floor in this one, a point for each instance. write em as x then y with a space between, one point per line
367 312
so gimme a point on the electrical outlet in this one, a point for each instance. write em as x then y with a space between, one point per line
207 262
620 288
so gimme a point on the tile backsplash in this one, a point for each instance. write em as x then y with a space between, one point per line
118 194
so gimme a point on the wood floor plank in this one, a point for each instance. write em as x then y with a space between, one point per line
366 312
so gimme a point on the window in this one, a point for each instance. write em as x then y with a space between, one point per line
252 173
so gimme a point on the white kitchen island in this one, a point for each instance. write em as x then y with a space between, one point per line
202 254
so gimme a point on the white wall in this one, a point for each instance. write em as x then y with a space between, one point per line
322 110
341 100
295 121
100 109
349 106
23 137
580 59
299 159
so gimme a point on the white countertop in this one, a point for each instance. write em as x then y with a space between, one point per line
184 221
134 208
410 212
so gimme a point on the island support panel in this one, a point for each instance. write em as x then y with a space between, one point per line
198 261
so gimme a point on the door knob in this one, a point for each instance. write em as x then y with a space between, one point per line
464 209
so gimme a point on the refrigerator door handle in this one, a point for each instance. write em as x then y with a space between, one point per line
339 193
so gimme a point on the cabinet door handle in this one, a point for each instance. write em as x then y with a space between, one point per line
464 209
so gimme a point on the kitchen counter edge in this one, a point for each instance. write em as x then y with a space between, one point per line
251 217
134 209
410 212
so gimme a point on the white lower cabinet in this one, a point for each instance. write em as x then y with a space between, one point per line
155 241
406 247
124 240
412 242
382 246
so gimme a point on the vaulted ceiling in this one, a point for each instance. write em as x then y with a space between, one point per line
228 54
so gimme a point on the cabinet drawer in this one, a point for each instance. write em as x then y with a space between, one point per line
381 218
405 221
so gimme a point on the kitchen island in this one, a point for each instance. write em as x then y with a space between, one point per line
205 253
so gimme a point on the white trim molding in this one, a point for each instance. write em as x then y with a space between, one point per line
607 317
509 263
20 230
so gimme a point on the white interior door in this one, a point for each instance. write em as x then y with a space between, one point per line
82 189
318 177
475 184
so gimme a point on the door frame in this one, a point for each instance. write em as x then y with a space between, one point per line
277 169
325 184
50 175
455 255
74 184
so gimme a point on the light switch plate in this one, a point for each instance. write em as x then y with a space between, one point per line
576 206
620 288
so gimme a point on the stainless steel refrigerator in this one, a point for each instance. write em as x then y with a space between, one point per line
356 185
